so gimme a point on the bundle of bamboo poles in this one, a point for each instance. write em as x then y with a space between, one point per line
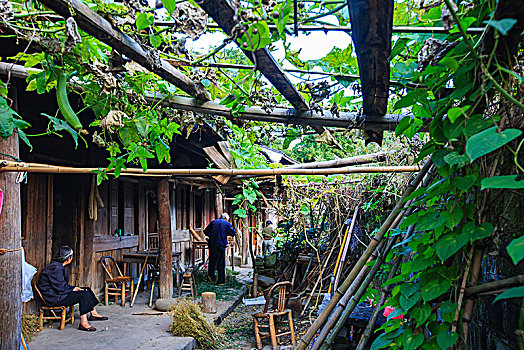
346 297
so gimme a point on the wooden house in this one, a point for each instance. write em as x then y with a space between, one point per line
55 206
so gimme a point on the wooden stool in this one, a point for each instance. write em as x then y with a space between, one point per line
59 309
188 283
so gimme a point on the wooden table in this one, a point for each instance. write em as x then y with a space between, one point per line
139 257
203 246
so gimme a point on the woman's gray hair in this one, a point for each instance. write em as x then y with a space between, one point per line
225 216
64 253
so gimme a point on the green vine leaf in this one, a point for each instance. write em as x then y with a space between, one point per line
446 339
454 158
144 20
453 218
409 302
455 112
517 292
435 287
430 221
410 341
475 232
170 5
516 249
386 339
503 26
421 313
450 244
407 289
8 121
505 181
489 140
464 183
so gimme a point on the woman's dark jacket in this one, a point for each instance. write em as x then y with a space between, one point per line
53 283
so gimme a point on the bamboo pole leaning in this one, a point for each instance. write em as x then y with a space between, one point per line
325 345
378 307
339 309
342 311
346 246
306 339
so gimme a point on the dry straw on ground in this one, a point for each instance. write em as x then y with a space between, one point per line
189 321
29 326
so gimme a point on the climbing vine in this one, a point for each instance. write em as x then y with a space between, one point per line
464 91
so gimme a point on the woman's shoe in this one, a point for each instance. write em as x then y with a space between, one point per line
87 329
97 318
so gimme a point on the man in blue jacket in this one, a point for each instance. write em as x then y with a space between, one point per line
217 231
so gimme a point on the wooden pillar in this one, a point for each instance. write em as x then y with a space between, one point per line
219 203
192 209
141 219
164 240
245 237
87 251
10 262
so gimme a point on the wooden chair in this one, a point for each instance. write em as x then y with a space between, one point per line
280 292
152 269
152 241
116 284
53 310
188 283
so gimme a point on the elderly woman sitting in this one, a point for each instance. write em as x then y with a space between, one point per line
54 286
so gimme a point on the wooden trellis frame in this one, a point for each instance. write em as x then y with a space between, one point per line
95 25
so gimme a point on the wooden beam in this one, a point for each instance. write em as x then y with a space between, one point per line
218 159
95 25
347 120
222 13
164 240
10 238
371 22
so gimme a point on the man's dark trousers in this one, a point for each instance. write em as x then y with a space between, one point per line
217 261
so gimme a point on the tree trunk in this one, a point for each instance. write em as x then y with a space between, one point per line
164 240
209 303
10 262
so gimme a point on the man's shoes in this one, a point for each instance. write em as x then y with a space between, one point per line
87 329
97 318
221 283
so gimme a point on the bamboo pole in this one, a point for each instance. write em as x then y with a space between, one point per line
495 285
361 277
352 296
322 269
378 307
347 29
468 307
19 167
356 299
344 253
304 342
